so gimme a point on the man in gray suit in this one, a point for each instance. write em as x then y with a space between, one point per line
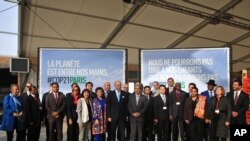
55 105
137 106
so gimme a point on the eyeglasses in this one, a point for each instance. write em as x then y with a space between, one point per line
75 90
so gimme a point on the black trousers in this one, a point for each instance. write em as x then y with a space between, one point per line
127 129
178 125
148 130
47 129
20 135
109 131
121 127
163 130
33 132
73 132
55 129
21 132
196 129
207 132
218 139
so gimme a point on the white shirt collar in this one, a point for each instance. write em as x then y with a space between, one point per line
238 92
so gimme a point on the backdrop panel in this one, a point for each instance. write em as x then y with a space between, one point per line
67 66
185 66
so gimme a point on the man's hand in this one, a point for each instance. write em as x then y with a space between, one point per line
155 121
15 114
54 114
109 119
136 114
187 122
208 121
70 121
227 123
234 114
20 114
171 117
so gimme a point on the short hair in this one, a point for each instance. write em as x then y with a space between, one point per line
170 78
162 86
156 82
54 83
13 85
140 85
88 84
85 90
147 87
99 88
192 84
196 89
238 81
50 84
74 84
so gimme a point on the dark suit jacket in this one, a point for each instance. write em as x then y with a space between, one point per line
241 107
70 107
206 94
149 114
25 105
92 95
44 111
117 110
177 110
167 90
141 107
33 111
53 106
159 113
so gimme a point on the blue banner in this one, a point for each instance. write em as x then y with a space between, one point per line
66 66
185 66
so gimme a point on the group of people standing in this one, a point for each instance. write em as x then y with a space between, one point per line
162 113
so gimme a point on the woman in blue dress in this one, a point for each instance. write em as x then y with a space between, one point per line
99 116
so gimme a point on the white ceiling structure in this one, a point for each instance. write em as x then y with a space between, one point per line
147 25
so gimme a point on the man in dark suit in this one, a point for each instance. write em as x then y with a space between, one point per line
33 115
170 87
44 111
209 93
25 96
106 88
89 86
169 90
137 105
55 105
117 111
149 116
161 114
239 102
177 102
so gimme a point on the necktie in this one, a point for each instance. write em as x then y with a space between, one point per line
118 96
137 99
211 94
56 97
178 95
164 99
236 98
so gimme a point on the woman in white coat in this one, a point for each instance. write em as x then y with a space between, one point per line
84 111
